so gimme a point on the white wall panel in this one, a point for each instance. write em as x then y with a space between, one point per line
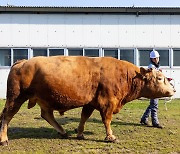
19 30
5 30
38 30
175 30
91 30
144 31
3 82
161 30
175 73
56 30
61 30
109 31
127 30
74 30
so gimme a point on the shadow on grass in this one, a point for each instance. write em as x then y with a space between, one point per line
66 120
43 133
38 133
51 133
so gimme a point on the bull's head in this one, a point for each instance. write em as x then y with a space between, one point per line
156 84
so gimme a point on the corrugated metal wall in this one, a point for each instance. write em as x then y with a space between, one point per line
73 30
89 30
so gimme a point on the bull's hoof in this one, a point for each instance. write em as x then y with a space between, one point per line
111 139
76 130
5 143
80 137
63 136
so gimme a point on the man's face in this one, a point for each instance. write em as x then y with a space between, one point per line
155 60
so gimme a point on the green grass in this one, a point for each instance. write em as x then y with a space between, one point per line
29 133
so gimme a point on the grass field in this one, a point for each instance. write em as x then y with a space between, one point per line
29 133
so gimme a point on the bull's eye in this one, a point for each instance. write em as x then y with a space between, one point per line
159 78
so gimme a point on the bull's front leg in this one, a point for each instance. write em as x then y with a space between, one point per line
106 118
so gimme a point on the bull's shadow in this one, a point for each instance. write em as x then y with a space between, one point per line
66 120
51 133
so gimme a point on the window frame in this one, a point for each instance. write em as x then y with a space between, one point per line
4 67
38 48
12 54
100 52
75 49
172 57
103 49
169 52
138 56
65 53
134 55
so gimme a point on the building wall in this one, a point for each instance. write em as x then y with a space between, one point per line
79 30
90 31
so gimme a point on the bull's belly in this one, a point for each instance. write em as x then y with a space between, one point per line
57 96
61 103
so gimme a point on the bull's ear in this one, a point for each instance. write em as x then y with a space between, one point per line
143 71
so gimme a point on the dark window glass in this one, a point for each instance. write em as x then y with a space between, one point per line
92 52
55 52
75 52
176 57
111 53
127 54
5 57
164 57
20 54
39 52
144 58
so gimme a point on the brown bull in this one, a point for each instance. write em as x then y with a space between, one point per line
63 83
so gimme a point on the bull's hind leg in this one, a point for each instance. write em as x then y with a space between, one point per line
85 114
10 109
47 114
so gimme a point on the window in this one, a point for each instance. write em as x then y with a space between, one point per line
127 54
39 52
75 52
55 52
5 57
111 53
91 52
164 57
176 57
19 54
144 59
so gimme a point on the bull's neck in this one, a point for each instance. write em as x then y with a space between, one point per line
135 90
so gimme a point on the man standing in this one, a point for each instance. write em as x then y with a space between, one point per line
153 107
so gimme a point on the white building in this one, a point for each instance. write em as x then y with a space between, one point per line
128 33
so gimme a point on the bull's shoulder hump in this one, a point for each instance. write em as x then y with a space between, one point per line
19 62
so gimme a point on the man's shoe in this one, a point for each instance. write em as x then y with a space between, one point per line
144 122
158 126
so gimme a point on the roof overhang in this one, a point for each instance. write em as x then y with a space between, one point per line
109 10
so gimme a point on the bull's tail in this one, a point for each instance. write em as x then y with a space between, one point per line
1 115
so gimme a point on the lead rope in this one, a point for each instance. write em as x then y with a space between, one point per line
169 99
